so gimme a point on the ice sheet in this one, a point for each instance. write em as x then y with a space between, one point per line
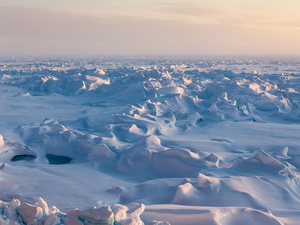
194 140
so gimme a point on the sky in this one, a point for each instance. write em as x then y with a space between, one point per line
149 27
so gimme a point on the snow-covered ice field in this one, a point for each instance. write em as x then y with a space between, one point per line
205 141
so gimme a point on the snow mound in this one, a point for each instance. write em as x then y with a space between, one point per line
261 162
58 144
210 215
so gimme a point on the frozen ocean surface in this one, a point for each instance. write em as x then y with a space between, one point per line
158 141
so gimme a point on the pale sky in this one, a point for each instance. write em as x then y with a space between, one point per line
149 27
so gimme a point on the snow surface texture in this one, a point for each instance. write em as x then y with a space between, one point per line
148 141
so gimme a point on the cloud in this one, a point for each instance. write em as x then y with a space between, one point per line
32 31
293 24
28 31
186 9
188 12
255 14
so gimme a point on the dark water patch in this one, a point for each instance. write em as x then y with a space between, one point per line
58 159
221 140
23 157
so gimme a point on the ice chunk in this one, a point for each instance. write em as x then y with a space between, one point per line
119 211
44 206
30 213
52 220
154 222
99 71
103 215
68 221
1 141
128 215
132 221
15 203
137 210
10 213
